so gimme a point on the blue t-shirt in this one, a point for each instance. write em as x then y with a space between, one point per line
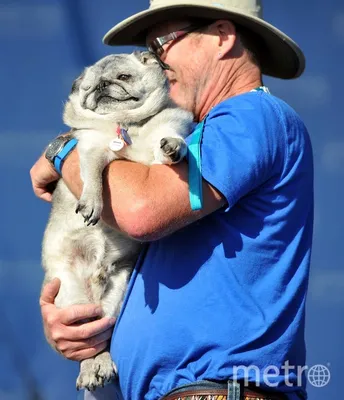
230 289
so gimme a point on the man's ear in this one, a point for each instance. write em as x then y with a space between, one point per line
226 34
146 57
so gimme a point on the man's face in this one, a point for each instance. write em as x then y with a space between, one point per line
188 62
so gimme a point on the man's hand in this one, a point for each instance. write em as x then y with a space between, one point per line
42 176
75 341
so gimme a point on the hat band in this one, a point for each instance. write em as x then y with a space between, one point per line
235 5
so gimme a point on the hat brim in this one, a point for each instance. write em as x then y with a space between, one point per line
282 57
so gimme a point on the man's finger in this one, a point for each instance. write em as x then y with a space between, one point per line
65 345
48 197
88 330
80 355
50 291
80 312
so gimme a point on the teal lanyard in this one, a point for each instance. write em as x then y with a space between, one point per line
195 168
261 89
195 165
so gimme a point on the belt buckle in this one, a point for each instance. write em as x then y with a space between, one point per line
233 390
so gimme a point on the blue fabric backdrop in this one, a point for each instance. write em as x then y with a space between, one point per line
44 46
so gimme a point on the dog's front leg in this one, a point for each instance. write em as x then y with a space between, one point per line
170 147
94 157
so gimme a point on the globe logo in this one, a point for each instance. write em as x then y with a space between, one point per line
319 375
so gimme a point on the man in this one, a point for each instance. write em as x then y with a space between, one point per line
224 288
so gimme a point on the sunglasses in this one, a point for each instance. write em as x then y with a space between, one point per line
155 46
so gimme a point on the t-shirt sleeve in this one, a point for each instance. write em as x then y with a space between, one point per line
239 151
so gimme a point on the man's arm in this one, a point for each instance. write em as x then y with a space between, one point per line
145 202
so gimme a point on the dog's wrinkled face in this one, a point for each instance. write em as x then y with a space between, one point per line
119 82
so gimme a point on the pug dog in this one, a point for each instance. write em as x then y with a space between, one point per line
118 108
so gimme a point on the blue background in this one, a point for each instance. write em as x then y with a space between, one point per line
44 46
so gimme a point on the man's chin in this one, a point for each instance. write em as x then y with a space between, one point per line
181 101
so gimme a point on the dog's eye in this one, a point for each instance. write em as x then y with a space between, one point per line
123 77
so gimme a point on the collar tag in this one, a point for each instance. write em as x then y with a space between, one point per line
123 134
116 144
122 140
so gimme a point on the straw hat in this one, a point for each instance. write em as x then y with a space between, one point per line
280 58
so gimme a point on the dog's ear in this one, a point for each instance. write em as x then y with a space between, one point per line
77 83
146 57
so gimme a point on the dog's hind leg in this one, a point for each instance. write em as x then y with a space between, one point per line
101 370
96 372
72 290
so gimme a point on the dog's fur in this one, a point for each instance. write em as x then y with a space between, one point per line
93 261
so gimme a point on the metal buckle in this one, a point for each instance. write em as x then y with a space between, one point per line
233 390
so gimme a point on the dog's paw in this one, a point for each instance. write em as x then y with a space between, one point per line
105 368
96 372
90 209
172 150
87 378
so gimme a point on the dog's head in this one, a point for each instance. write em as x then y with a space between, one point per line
119 87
